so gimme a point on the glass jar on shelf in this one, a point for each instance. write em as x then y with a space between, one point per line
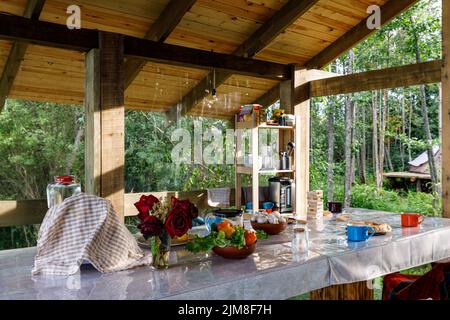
63 187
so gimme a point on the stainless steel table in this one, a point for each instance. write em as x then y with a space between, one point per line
272 272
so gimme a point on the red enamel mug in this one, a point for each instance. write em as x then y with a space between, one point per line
410 220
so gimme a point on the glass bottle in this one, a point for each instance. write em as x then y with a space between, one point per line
63 187
300 245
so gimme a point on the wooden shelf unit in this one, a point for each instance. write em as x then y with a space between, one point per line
254 125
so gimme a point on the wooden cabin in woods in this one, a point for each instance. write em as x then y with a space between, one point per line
421 163
418 174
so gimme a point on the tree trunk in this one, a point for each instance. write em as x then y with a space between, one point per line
348 151
426 127
375 154
388 159
354 133
348 139
411 106
429 138
402 145
383 120
330 147
76 145
362 151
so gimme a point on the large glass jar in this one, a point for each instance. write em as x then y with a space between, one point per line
63 187
231 215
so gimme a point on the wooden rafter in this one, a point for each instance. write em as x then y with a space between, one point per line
357 34
17 53
159 31
270 97
57 35
262 37
350 39
403 76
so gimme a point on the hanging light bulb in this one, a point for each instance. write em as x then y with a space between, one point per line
210 100
214 91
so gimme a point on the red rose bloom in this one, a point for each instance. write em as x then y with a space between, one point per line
178 222
151 226
185 205
144 205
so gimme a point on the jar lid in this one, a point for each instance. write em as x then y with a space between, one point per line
64 179
299 230
227 213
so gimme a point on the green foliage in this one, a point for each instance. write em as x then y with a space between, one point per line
367 196
37 143
148 162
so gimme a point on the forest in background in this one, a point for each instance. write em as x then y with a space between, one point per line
354 138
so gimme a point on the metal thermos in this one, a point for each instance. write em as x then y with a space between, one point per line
285 161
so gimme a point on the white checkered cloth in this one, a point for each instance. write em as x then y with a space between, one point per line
219 197
85 228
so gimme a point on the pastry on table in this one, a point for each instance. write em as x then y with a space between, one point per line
379 227
344 217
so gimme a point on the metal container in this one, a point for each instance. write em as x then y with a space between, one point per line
281 193
285 161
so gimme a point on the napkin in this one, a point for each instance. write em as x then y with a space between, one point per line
85 228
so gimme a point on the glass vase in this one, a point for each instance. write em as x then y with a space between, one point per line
161 251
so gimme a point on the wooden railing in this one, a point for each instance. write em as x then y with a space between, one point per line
22 212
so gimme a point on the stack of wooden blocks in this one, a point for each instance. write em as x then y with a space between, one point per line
315 204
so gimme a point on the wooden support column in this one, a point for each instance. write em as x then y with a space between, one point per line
105 121
446 108
301 109
286 103
301 80
351 291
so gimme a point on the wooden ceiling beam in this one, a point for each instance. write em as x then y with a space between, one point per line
17 53
159 31
48 34
261 38
183 56
57 35
403 76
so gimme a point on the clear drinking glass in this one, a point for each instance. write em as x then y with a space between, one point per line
63 187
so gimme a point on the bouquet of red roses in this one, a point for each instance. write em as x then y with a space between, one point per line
159 218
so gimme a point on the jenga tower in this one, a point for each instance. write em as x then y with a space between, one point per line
315 204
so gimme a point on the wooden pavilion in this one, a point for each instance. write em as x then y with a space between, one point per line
140 54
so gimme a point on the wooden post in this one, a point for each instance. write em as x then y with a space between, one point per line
300 97
286 103
351 291
302 131
238 161
105 125
445 109
255 158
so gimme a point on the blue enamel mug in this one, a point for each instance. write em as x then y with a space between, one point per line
359 233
